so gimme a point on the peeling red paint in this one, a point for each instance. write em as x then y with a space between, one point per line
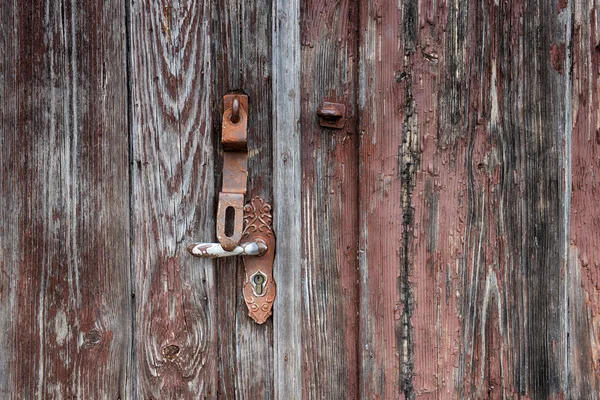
557 55
562 4
584 262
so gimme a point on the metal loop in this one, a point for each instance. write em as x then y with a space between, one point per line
235 110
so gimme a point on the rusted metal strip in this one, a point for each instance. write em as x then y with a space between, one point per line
235 123
235 169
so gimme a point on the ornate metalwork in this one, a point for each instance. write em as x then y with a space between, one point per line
259 286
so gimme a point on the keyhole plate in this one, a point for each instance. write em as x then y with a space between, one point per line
258 282
259 285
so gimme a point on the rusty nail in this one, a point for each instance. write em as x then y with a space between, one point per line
332 115
235 110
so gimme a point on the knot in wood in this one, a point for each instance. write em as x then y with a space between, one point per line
170 352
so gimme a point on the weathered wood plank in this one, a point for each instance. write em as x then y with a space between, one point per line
287 217
329 202
382 104
242 55
510 288
173 199
584 262
437 74
464 207
64 202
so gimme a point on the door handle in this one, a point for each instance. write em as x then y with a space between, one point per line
215 250
242 230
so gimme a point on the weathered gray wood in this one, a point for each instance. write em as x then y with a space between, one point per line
329 202
512 300
287 199
173 199
65 305
242 58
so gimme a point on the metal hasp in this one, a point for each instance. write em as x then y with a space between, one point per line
252 236
332 115
258 251
235 169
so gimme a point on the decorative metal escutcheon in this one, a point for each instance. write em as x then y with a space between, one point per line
259 286
243 231
258 250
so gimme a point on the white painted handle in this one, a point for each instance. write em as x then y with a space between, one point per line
214 250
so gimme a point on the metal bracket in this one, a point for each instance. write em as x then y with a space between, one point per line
332 115
235 169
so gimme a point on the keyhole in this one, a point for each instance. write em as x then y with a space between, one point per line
258 280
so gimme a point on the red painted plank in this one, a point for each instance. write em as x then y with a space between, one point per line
584 261
463 207
383 123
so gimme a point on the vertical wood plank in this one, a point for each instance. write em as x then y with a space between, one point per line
287 217
584 261
64 201
329 202
383 123
510 286
242 58
464 204
436 232
173 198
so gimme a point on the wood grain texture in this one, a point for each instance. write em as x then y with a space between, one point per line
242 57
464 208
443 245
173 199
509 286
584 260
64 202
287 217
329 202
381 107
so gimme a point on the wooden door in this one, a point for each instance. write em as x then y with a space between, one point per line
442 245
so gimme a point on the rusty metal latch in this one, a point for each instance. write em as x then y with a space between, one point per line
235 169
332 115
243 230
